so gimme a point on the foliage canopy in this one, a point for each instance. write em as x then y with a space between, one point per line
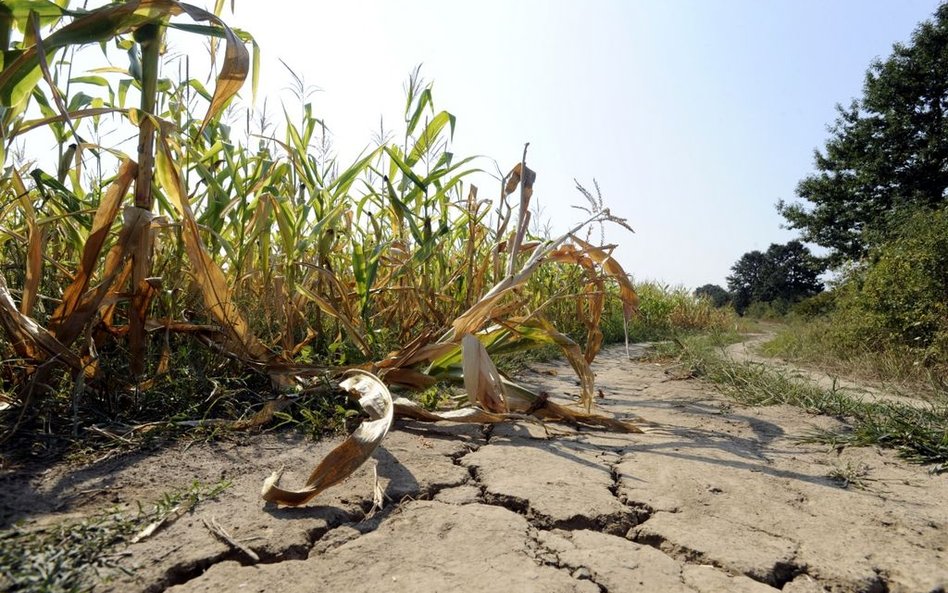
784 273
714 293
887 153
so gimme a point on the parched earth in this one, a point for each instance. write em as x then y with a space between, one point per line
721 497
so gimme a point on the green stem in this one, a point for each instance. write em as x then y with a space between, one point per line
149 37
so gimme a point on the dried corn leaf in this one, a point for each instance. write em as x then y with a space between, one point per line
207 274
376 400
576 359
264 415
27 337
524 401
351 324
481 379
419 349
105 214
34 266
234 69
405 408
630 300
472 319
70 325
407 377
515 176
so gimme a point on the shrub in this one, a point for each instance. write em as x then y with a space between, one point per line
819 305
900 297
767 310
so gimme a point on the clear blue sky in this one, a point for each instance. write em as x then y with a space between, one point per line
694 116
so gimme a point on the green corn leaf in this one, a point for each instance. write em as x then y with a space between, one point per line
424 100
430 135
404 168
345 180
123 90
93 80
19 77
47 12
403 213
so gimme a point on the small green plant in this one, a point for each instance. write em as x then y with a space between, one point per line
318 415
435 396
185 499
851 474
66 557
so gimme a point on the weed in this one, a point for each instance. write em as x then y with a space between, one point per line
435 396
184 499
851 474
66 557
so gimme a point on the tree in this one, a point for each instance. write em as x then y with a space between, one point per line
887 154
784 273
714 293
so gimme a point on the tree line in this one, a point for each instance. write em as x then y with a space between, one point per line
877 203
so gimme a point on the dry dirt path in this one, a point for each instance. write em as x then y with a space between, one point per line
722 498
747 351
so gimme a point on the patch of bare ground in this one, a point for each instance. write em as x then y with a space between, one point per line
720 497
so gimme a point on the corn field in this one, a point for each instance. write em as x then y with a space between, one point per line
262 249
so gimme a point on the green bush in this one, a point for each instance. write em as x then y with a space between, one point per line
816 306
900 297
771 310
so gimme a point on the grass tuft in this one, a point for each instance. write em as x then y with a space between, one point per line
918 433
817 343
67 556
851 474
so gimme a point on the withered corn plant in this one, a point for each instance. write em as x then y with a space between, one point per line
261 247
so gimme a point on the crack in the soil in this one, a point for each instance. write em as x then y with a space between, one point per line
459 455
618 523
641 512
545 556
777 576
181 573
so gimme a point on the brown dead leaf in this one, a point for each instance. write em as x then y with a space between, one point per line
405 408
342 461
28 338
524 401
515 177
481 379
630 299
208 275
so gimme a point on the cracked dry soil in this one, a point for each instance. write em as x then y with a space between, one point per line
720 498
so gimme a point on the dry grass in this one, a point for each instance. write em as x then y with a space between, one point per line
918 433
898 370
